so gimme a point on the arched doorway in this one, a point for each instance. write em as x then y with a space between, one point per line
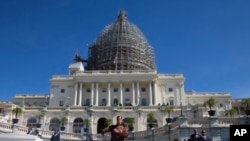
100 124
77 125
31 122
54 124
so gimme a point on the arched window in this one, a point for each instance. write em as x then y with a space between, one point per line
54 124
77 125
31 122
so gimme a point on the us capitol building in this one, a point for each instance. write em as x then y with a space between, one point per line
119 77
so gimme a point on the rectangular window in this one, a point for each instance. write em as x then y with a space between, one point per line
221 105
170 89
115 89
61 103
104 90
88 90
143 89
62 90
126 89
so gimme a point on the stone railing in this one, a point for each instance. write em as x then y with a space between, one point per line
217 129
198 122
229 121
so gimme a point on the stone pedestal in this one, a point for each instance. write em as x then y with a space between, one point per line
213 121
183 121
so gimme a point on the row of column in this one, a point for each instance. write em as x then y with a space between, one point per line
95 90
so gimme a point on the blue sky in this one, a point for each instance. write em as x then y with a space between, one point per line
207 41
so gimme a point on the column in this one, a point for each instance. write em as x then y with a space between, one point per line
121 93
138 93
176 95
155 93
109 94
97 94
133 93
150 93
75 100
92 93
80 96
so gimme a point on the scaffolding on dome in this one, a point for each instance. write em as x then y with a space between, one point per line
121 46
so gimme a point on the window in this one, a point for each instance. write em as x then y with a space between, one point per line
143 89
171 102
115 89
104 90
88 90
170 89
61 103
62 90
221 105
126 89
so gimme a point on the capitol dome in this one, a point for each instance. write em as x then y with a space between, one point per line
121 46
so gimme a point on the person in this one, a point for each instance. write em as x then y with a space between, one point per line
195 136
55 136
203 136
118 132
29 130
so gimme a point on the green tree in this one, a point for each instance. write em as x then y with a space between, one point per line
130 121
108 122
246 103
169 110
87 121
17 111
151 117
40 116
231 112
64 120
211 102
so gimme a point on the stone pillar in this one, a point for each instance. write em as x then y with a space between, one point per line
150 93
109 94
177 97
138 93
75 100
92 93
133 93
80 96
155 93
184 129
97 94
121 93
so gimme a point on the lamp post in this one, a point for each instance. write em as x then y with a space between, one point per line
181 110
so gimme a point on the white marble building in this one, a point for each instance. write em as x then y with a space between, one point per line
120 70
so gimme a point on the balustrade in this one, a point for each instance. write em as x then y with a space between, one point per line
168 132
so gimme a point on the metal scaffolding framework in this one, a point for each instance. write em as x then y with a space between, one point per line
121 46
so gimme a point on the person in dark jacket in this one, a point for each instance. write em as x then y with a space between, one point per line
118 132
195 136
204 136
55 136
